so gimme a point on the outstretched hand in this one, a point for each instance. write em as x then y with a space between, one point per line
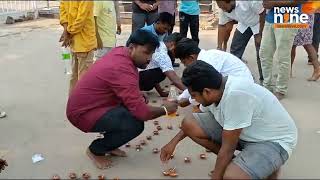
166 152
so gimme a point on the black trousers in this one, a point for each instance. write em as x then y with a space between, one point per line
239 44
173 23
119 127
187 20
148 79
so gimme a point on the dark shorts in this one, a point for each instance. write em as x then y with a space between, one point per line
148 79
257 159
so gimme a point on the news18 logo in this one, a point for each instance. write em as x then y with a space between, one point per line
295 17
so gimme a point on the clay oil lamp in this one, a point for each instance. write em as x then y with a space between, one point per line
187 160
128 145
55 177
155 133
159 128
155 150
149 138
203 156
73 176
86 176
101 177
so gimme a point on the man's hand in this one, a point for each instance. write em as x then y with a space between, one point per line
184 102
119 29
3 164
146 99
66 39
146 7
61 37
258 38
99 43
171 106
167 151
154 7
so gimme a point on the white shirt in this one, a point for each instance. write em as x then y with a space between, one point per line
257 111
160 59
246 13
225 63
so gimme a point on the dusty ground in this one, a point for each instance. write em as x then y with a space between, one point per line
34 92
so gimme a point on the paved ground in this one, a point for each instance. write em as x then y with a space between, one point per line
34 92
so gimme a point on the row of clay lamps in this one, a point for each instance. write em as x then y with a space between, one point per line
85 176
170 172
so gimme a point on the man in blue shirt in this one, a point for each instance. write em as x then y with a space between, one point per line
161 27
278 40
189 16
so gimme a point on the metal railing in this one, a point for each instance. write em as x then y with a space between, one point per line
207 6
8 7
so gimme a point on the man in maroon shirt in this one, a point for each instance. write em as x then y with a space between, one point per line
108 100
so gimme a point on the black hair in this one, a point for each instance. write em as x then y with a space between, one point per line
227 1
186 47
165 18
143 37
200 75
174 37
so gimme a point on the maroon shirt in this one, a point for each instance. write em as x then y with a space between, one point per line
111 81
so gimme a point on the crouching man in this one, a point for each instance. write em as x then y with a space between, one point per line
108 100
239 115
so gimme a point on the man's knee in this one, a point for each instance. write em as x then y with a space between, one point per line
233 171
137 129
189 126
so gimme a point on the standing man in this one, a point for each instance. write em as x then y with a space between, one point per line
79 33
189 16
108 100
241 115
250 17
107 20
278 40
169 7
224 32
144 12
316 32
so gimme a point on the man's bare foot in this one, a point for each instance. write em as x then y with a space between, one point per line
315 76
280 96
118 152
102 162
